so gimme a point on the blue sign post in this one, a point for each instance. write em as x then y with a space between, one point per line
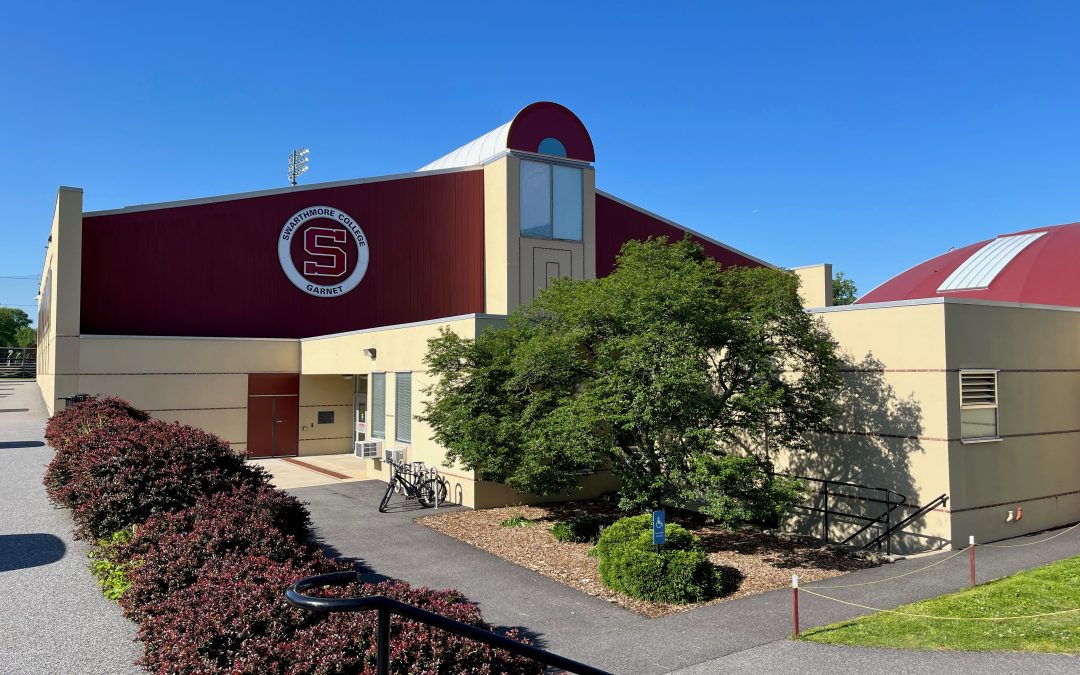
659 529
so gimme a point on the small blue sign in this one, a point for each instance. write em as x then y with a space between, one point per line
659 531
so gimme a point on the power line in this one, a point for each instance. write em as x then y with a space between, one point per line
28 278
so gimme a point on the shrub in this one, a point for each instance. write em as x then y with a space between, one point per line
518 521
632 528
172 547
112 573
679 573
581 530
125 475
67 429
235 619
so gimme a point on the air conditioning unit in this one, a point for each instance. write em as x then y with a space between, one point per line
367 449
395 455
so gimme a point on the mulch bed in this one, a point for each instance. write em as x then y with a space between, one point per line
752 560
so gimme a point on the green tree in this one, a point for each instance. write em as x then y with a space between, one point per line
844 291
25 337
660 372
12 321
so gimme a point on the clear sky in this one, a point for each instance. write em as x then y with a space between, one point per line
871 135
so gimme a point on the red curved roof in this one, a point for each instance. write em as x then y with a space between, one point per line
1044 272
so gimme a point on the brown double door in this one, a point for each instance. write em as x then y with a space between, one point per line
273 415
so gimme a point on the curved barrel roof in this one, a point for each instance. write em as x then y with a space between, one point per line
529 128
1036 266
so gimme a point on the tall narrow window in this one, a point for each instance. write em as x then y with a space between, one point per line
978 405
378 405
403 407
552 201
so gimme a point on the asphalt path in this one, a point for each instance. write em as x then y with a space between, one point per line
52 617
747 635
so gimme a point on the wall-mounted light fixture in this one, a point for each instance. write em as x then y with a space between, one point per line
369 352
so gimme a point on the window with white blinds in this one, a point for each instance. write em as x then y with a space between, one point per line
978 405
403 407
378 405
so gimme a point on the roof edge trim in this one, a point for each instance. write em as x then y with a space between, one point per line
275 191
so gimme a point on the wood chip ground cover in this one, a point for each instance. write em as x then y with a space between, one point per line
752 561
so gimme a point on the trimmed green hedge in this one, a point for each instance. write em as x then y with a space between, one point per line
629 563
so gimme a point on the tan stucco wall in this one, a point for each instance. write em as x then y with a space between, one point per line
514 265
58 363
893 428
1036 464
815 285
198 381
397 349
330 393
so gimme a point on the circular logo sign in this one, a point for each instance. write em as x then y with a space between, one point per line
323 251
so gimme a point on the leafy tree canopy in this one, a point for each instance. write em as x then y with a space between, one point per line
14 323
660 372
844 291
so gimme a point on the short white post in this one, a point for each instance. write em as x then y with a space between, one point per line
795 603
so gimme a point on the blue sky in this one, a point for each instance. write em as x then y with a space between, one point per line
869 135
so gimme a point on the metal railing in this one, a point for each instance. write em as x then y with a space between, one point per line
847 493
18 361
386 606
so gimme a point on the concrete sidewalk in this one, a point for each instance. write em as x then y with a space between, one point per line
746 635
52 617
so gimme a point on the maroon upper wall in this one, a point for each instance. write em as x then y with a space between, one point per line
212 269
617 224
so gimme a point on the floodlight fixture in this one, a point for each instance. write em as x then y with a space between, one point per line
298 164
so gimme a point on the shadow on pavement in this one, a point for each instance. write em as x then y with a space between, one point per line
15 445
19 551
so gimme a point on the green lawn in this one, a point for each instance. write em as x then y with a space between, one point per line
1051 588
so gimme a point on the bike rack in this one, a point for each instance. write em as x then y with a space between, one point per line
385 606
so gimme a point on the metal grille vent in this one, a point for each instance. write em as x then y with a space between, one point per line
978 389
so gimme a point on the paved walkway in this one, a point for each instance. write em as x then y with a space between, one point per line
53 620
52 617
746 635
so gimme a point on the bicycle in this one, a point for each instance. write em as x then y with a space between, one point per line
415 481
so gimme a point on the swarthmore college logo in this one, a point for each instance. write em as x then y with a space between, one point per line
323 251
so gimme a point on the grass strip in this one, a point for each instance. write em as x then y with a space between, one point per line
1051 588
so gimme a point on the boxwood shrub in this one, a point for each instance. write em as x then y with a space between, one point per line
679 573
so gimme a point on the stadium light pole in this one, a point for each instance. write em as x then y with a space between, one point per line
298 164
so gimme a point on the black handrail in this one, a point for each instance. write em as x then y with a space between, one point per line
923 510
890 498
387 606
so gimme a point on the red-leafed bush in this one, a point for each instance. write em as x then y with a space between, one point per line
345 643
235 619
169 549
67 428
124 475
234 612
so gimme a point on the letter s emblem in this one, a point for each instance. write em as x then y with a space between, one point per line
327 246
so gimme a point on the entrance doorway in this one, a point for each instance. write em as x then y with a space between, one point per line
359 410
273 415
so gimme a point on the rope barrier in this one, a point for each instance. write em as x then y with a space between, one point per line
899 576
944 618
1032 543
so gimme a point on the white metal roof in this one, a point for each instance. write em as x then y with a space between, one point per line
473 153
979 270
